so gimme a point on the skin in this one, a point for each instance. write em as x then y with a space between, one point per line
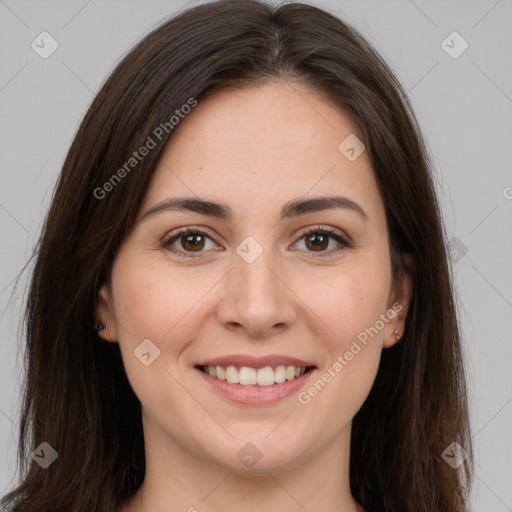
253 149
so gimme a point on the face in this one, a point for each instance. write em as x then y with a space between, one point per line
271 284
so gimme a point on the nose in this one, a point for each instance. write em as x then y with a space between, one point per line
257 298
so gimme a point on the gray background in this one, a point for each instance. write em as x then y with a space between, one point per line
464 106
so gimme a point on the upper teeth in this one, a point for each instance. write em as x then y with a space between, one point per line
247 376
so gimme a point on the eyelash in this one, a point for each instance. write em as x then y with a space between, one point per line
167 243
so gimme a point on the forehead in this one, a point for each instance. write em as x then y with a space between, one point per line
264 143
280 117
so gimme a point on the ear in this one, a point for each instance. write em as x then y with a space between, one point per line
399 301
105 315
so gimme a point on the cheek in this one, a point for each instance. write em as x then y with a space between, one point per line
155 302
347 303
140 300
352 306
150 299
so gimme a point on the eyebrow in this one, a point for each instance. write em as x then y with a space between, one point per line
222 211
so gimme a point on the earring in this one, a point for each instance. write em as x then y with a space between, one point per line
99 327
397 336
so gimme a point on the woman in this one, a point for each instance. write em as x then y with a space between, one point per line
241 298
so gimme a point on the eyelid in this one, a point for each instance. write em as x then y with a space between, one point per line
344 241
322 228
175 235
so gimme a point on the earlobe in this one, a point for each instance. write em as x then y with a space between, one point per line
105 324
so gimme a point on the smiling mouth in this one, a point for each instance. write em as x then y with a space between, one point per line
247 376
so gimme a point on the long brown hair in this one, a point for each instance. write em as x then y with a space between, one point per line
76 395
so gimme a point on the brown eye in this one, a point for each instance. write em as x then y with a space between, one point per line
192 242
187 241
317 242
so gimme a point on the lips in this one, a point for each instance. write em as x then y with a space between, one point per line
255 380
